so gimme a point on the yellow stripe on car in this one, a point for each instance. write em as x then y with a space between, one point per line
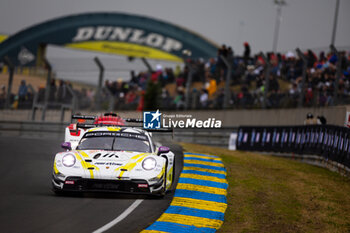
93 129
170 177
113 128
55 168
161 173
85 164
132 163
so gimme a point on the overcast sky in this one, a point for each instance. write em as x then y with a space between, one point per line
305 23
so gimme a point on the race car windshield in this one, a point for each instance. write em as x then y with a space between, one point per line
117 141
128 144
96 143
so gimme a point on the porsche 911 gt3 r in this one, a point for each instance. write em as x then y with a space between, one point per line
117 159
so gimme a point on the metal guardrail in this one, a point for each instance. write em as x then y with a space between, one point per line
211 137
32 129
322 145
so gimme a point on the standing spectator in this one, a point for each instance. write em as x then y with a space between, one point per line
22 91
141 103
53 90
274 85
211 86
246 54
69 95
223 51
62 91
41 93
130 97
3 96
90 95
134 78
203 99
166 99
3 93
220 99
179 100
180 81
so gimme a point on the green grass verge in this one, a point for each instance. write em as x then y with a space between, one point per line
271 194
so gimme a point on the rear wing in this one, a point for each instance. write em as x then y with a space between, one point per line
86 126
83 117
161 130
133 120
128 120
92 118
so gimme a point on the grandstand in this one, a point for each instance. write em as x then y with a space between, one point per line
208 80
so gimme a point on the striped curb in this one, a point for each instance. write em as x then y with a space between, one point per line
199 201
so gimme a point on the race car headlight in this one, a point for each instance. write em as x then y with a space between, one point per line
68 160
149 163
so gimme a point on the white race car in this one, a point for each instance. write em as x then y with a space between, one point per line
117 159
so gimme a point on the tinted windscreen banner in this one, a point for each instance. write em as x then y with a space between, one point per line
239 139
252 139
258 138
331 142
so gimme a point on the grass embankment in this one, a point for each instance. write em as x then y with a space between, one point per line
270 194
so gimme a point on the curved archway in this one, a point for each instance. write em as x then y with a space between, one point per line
114 33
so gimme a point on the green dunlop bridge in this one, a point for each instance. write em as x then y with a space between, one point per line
113 33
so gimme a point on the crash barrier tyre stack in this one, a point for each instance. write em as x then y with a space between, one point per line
199 201
327 141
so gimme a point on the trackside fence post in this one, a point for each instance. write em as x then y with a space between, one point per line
338 73
267 78
47 89
227 93
9 87
149 68
100 80
302 88
188 84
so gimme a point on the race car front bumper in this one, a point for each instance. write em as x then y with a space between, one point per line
136 186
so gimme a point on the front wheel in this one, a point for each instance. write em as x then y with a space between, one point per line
163 191
58 192
173 176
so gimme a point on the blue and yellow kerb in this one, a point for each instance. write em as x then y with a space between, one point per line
199 202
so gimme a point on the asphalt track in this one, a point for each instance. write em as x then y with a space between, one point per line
27 203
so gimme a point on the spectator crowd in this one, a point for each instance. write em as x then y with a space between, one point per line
167 88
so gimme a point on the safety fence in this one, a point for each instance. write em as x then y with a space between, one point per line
327 141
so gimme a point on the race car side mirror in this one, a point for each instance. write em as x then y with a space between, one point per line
163 150
66 145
